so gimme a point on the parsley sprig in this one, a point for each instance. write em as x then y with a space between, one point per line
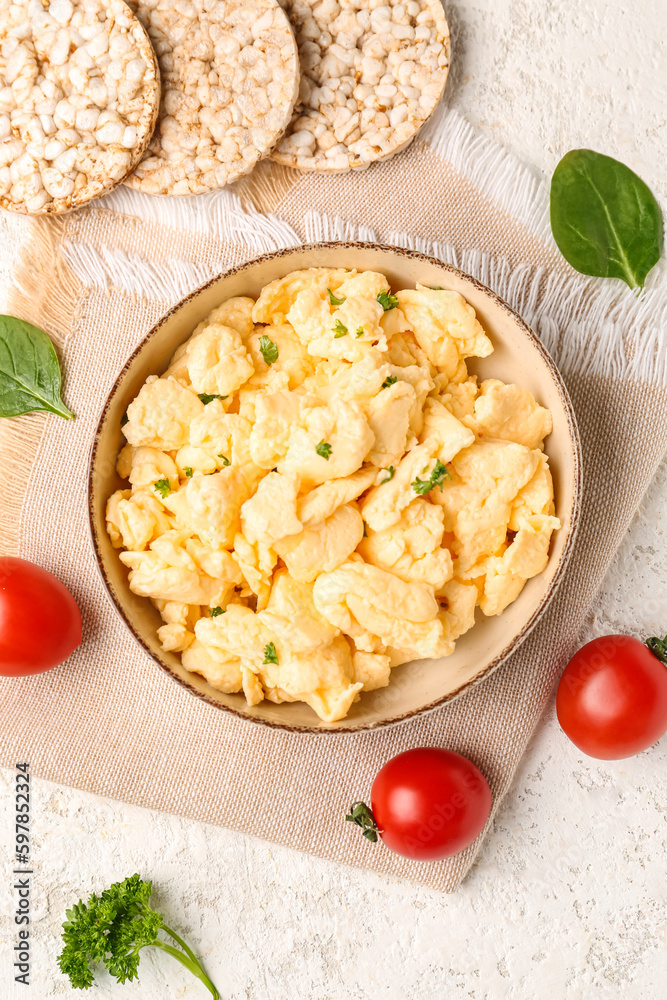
339 330
208 397
437 478
269 349
392 472
323 449
163 487
270 655
333 300
390 380
113 928
387 300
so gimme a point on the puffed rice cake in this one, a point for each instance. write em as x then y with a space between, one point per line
372 73
79 98
230 78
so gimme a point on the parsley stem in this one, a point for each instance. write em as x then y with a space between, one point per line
181 942
193 964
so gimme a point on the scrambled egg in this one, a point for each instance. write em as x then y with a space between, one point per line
319 491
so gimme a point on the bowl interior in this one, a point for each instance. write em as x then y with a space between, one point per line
518 357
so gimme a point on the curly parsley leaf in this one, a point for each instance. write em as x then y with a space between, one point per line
387 300
269 349
112 929
30 376
340 330
208 397
323 449
359 332
392 472
189 471
163 487
390 380
437 478
333 300
214 612
270 655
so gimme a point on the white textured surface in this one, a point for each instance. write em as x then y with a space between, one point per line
568 898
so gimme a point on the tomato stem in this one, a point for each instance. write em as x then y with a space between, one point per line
659 648
363 817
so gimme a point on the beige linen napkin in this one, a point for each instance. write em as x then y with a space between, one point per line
110 721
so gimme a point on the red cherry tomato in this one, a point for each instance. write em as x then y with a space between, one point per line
430 803
612 697
40 623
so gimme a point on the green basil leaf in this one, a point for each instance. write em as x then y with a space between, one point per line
387 300
604 219
29 371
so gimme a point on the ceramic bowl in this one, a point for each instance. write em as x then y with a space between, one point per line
416 687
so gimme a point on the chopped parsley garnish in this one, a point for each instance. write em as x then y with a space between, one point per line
340 330
437 478
392 472
225 460
163 487
387 300
208 397
333 300
323 449
124 419
214 612
188 470
390 379
270 655
269 349
360 332
436 288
